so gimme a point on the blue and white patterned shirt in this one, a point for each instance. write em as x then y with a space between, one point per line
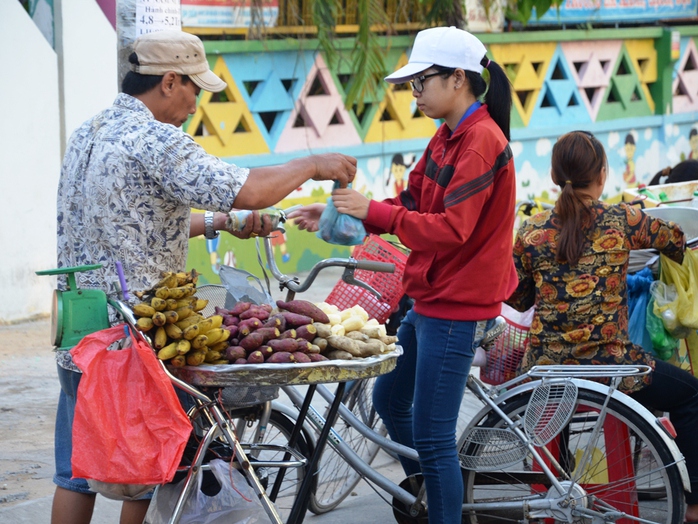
126 190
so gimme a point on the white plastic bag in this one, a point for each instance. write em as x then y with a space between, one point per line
228 506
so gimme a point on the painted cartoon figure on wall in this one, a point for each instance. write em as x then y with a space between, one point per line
629 173
398 170
278 239
693 141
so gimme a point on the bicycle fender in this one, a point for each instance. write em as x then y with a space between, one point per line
597 387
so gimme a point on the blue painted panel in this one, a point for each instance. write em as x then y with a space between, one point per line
279 78
559 101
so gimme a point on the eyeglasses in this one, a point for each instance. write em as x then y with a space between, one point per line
417 82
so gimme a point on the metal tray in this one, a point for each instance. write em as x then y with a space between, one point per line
287 374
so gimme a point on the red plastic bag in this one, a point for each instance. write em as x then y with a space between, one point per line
129 426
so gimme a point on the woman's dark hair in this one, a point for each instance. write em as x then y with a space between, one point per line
577 161
681 172
136 84
629 139
497 95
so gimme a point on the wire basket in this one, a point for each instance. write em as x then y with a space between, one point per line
504 356
389 285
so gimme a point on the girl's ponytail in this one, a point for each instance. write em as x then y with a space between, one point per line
497 96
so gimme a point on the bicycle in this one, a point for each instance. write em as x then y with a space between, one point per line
549 445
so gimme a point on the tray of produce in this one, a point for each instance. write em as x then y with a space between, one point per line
225 375
246 343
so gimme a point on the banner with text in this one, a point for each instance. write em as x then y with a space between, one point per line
227 13
597 11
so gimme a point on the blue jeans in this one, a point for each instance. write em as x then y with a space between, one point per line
63 443
419 403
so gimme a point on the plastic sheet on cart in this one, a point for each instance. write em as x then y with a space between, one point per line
287 374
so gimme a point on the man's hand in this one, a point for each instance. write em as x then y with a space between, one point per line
307 217
335 166
351 202
255 226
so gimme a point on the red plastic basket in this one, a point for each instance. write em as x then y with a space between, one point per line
376 249
504 356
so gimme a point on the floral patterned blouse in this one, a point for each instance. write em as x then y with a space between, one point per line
581 311
126 190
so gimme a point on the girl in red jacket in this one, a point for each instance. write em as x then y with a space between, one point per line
457 217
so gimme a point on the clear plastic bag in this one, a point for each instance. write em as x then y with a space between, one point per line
663 344
338 228
235 501
684 278
666 303
243 286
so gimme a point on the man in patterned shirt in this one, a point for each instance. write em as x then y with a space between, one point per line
129 179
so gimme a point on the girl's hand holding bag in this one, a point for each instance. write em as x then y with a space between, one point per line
129 425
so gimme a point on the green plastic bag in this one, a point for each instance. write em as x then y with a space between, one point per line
663 344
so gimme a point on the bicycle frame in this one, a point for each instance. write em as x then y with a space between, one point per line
492 397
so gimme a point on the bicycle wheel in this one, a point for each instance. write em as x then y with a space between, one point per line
629 460
336 478
278 432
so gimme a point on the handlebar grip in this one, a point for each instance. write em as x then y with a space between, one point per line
380 267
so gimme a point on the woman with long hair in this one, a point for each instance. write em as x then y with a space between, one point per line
572 263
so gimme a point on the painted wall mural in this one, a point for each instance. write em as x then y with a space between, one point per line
282 104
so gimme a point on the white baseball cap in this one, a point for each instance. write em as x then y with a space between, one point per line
173 50
442 46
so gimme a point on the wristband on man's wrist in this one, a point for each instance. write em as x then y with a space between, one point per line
209 231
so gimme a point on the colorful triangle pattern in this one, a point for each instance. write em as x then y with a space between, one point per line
591 65
559 102
223 124
643 55
685 85
319 119
270 84
526 66
397 117
342 74
624 96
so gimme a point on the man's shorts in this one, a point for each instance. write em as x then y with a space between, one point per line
63 444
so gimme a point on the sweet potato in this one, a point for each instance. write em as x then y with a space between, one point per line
316 357
255 311
268 333
357 335
230 320
372 347
248 325
240 361
288 345
303 345
266 351
240 307
313 349
289 333
278 321
303 307
256 357
320 342
252 341
295 320
323 330
307 332
233 330
338 354
345 344
301 358
282 357
234 353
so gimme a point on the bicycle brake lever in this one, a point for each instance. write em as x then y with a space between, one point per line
349 278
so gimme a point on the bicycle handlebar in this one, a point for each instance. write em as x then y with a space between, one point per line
349 265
